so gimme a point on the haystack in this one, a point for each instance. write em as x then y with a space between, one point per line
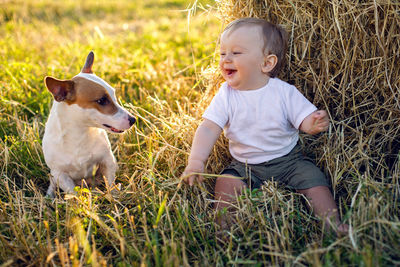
344 57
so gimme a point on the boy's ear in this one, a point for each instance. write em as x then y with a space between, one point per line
270 62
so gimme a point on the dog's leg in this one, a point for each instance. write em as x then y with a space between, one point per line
64 182
51 189
108 167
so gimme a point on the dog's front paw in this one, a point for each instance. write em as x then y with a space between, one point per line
115 190
118 187
49 195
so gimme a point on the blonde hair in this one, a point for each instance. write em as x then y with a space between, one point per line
275 39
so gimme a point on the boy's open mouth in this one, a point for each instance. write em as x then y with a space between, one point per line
230 72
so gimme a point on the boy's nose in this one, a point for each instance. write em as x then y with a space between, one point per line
226 58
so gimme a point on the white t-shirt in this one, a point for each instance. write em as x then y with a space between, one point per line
260 124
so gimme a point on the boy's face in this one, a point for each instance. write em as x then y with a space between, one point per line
242 60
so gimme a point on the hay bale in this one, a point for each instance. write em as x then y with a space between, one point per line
344 57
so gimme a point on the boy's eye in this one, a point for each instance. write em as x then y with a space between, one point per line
103 101
222 54
237 53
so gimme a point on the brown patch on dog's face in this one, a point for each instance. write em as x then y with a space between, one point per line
89 94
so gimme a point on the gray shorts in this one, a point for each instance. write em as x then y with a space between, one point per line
293 170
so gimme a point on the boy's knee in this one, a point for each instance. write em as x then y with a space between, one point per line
315 191
229 181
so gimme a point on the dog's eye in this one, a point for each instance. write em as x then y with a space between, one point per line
103 101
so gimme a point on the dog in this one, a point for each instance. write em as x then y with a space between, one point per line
75 143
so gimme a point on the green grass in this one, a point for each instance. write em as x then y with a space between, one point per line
158 62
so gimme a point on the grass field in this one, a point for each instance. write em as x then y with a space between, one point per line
160 57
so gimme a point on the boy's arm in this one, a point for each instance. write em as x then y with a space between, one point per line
316 122
204 139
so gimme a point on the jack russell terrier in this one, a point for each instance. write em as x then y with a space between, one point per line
75 142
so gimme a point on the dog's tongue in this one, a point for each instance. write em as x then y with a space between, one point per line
116 130
113 129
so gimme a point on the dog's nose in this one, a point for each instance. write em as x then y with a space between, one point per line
132 120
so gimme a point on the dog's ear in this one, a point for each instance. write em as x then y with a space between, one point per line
62 90
87 68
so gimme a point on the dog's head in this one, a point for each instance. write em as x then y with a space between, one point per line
94 98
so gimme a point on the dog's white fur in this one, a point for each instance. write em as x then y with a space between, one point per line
75 142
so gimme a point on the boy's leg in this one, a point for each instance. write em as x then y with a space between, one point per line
324 206
227 187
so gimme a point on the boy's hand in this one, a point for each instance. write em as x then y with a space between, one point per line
316 122
189 175
206 135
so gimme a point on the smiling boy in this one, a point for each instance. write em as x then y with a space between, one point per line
261 116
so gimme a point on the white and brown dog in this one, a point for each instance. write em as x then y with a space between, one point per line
75 142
